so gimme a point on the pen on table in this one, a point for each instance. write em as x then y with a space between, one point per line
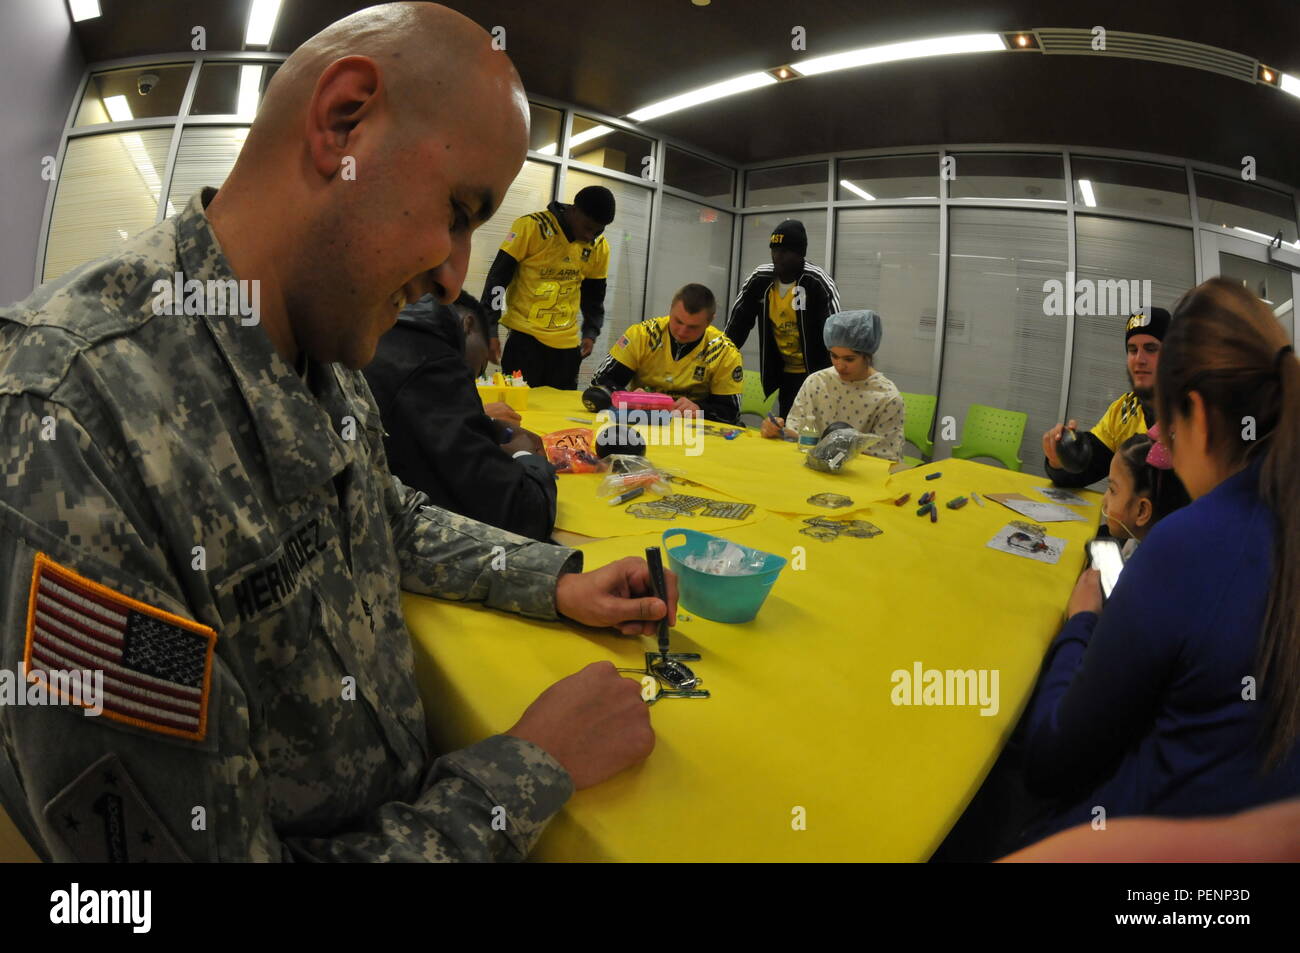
659 585
631 494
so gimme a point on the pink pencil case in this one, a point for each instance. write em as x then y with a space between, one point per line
641 400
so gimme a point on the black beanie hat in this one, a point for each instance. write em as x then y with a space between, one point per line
790 234
1152 321
597 202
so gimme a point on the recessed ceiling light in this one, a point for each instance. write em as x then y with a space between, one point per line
261 22
1021 40
83 9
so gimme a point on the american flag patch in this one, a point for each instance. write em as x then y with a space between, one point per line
157 666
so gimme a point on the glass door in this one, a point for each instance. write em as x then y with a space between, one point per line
1246 261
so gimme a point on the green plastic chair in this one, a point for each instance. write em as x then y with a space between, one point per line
752 398
918 416
991 432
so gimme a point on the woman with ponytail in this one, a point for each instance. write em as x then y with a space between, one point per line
1182 697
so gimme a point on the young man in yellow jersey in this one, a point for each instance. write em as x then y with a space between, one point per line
680 354
1131 413
552 266
790 299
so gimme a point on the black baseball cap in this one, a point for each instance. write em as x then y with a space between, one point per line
1152 321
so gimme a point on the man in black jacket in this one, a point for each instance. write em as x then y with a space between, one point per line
439 439
791 299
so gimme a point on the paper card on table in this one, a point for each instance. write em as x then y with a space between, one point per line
1014 540
1065 497
1034 509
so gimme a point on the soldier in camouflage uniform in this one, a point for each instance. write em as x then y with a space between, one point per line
216 530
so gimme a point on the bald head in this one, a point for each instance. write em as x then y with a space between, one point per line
381 143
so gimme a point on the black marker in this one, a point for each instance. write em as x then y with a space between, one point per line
659 587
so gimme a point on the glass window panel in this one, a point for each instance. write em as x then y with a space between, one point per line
595 143
1115 250
693 174
205 157
231 89
1246 208
692 244
1275 285
1000 348
109 189
887 260
530 192
1136 186
756 249
996 175
544 129
629 246
114 95
889 177
786 185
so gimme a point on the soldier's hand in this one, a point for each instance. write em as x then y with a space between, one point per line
594 723
618 594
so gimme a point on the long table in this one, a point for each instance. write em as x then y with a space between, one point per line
814 746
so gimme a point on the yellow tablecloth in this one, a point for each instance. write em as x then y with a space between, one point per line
801 725
747 468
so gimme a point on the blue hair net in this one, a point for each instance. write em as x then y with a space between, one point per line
855 330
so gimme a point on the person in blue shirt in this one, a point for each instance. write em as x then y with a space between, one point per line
1181 697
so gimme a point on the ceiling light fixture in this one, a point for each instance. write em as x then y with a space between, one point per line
704 94
861 193
119 110
784 73
1289 84
1085 186
909 50
261 22
1021 41
250 89
83 9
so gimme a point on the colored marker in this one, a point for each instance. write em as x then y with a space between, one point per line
629 495
902 499
659 588
579 420
934 514
933 476
956 503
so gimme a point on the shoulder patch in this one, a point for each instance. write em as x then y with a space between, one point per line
103 818
157 667
738 374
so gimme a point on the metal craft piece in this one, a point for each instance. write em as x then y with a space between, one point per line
820 527
823 533
728 511
685 504
653 511
676 680
832 501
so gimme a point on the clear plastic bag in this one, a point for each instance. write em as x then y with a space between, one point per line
725 558
627 472
838 449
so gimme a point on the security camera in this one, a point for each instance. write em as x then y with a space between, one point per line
145 83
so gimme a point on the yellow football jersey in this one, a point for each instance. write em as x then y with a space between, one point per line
712 367
785 324
1122 419
543 299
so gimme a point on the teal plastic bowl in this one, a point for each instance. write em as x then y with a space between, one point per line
718 598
